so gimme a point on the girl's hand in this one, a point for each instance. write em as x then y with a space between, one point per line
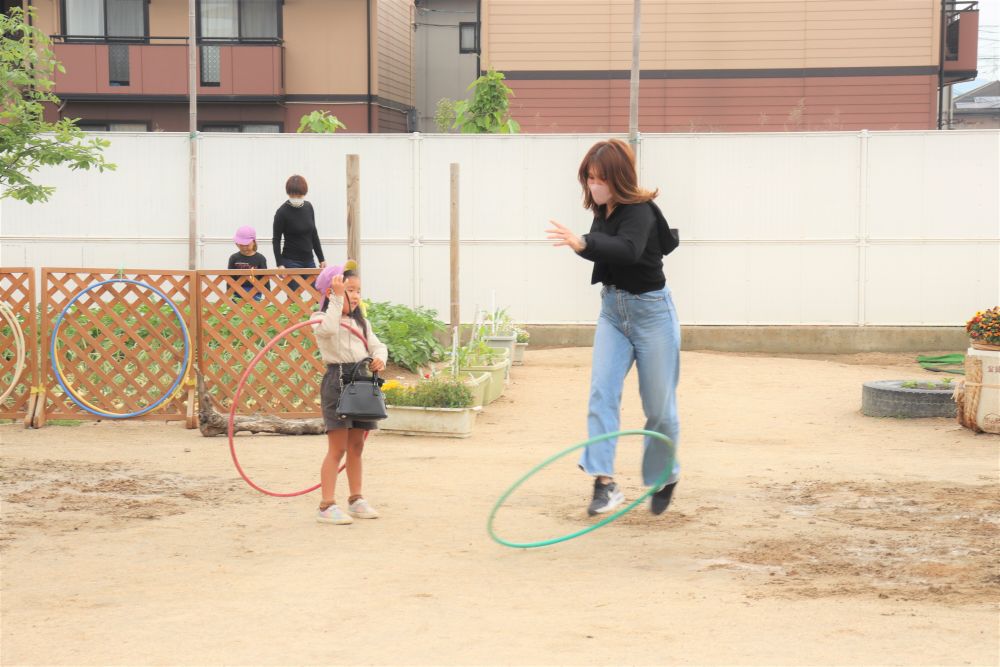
337 285
376 365
563 236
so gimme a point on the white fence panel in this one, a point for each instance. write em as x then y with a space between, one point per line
797 228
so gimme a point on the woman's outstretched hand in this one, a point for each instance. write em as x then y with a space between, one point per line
563 236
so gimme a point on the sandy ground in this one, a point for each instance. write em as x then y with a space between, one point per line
801 533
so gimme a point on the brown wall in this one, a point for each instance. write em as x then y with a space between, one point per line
174 117
325 47
728 105
532 35
394 69
390 120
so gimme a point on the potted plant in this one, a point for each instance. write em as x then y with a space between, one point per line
498 330
437 406
520 345
978 395
984 329
478 357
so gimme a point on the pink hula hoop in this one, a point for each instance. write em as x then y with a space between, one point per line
236 398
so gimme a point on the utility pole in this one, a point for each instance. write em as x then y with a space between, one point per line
192 136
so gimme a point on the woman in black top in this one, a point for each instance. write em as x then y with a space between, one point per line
638 323
295 220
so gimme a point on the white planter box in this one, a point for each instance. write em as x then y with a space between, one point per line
518 359
444 422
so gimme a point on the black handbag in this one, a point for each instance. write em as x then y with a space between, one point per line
361 398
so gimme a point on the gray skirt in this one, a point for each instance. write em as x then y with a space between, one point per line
329 394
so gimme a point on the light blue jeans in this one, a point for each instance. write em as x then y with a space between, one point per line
640 328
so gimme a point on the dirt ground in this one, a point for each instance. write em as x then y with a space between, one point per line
801 533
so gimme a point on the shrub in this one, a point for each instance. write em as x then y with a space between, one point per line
409 333
433 393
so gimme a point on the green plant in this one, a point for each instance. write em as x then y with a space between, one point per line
444 114
984 327
434 393
27 141
409 333
924 384
522 335
498 323
488 112
320 122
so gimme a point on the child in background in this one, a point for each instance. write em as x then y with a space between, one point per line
345 339
247 259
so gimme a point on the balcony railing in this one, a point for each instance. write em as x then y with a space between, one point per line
961 36
158 67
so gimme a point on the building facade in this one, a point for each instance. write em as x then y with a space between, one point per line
262 64
730 65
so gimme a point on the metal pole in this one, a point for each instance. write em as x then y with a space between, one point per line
633 111
192 136
454 239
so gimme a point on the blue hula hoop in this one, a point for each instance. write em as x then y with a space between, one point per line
661 480
166 395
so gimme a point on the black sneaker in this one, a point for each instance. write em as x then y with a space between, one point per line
660 501
606 498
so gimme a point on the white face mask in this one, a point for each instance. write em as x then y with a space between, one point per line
297 202
600 193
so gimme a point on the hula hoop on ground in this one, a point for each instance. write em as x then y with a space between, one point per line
235 401
20 349
661 480
79 400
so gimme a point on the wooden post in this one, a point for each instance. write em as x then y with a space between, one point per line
354 208
454 238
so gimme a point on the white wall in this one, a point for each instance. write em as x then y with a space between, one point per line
830 228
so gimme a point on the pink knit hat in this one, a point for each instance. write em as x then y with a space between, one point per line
325 277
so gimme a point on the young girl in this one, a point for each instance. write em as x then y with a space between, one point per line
342 336
247 258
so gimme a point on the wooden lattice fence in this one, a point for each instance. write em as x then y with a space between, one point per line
235 323
120 345
17 290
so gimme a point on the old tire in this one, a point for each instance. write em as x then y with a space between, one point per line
888 398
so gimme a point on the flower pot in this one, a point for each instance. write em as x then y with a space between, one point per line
518 359
443 422
502 342
497 370
478 384
984 346
979 394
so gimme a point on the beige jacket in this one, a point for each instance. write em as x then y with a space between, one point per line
337 345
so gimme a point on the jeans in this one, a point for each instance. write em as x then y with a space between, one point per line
299 264
640 328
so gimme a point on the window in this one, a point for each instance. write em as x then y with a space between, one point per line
118 64
103 19
242 127
468 38
240 20
211 65
124 126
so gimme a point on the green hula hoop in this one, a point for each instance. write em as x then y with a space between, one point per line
667 471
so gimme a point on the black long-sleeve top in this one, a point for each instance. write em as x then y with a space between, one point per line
298 227
627 248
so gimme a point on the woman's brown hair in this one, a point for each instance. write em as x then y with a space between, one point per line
296 185
614 163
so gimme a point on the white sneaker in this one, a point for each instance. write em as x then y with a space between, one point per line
360 509
334 515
